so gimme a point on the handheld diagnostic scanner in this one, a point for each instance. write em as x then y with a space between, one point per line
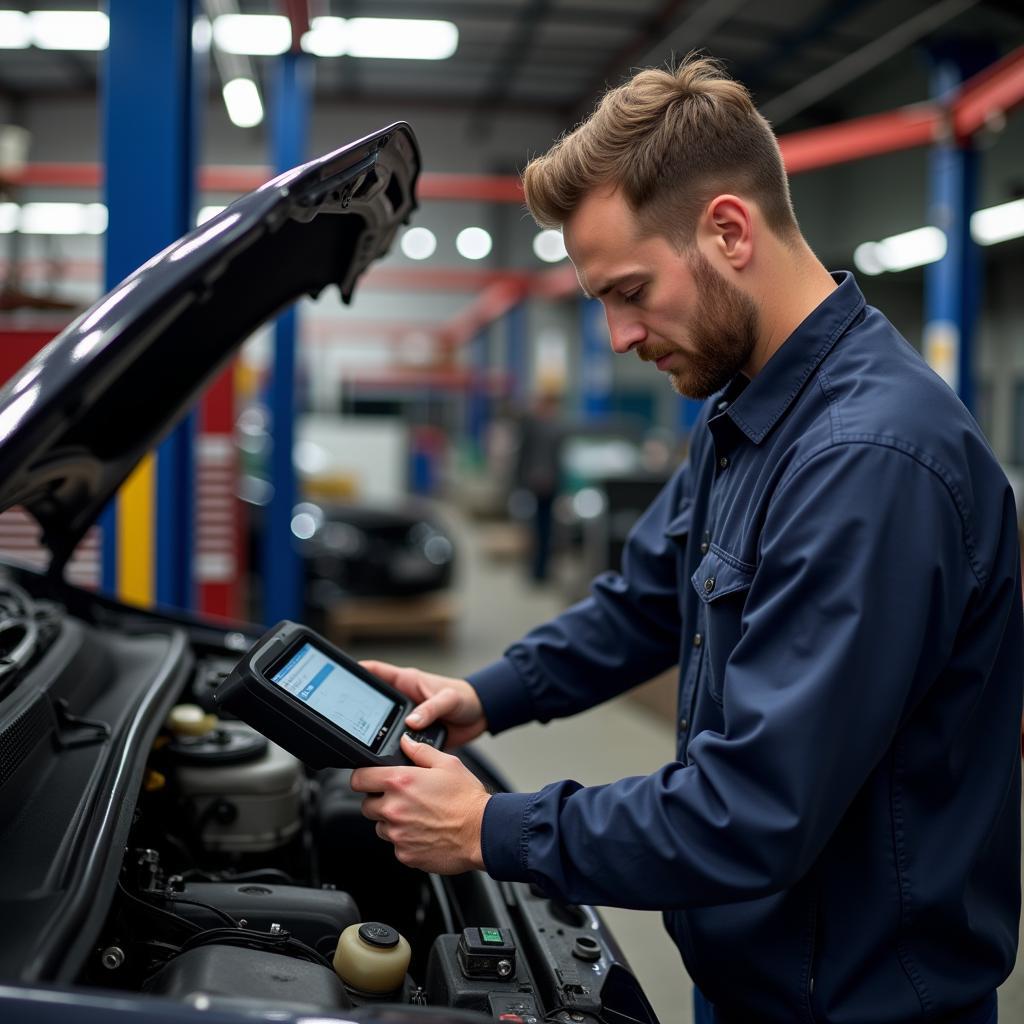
300 691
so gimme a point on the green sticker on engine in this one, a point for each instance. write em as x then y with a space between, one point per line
492 936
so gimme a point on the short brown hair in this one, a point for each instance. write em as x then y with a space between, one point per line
671 140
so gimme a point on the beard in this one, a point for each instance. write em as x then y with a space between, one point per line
722 338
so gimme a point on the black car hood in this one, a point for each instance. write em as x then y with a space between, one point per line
77 419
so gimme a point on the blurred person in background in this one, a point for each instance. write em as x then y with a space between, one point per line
538 475
836 571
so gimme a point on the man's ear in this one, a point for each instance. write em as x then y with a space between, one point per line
729 226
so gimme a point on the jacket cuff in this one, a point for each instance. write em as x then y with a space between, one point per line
503 836
503 694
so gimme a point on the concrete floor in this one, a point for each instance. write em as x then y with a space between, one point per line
610 742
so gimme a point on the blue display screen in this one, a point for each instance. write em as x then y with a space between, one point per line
348 701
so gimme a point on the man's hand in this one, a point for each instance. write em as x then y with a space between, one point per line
431 811
440 698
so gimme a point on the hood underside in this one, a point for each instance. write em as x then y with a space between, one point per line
78 417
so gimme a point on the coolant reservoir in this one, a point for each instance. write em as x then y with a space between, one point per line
372 957
190 720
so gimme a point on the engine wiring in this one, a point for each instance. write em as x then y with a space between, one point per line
27 627
231 933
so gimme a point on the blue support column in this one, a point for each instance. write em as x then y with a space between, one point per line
282 567
952 285
596 363
517 363
478 401
149 146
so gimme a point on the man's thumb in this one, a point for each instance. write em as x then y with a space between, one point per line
423 755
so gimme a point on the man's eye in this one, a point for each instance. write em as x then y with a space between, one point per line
633 296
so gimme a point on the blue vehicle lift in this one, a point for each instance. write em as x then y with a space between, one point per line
282 566
149 145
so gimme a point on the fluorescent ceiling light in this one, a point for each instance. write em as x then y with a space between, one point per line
63 219
912 248
70 30
388 38
15 32
998 223
549 246
419 243
401 38
202 35
262 35
473 243
10 214
867 260
242 99
901 252
326 37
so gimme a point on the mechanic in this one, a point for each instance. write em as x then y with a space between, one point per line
835 570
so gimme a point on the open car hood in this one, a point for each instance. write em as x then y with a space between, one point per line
78 417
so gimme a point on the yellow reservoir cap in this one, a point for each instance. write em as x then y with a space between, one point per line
372 957
191 720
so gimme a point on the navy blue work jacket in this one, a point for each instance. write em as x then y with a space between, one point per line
836 571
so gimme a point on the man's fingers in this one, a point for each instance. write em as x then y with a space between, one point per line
423 755
370 808
384 669
443 704
371 780
405 680
382 830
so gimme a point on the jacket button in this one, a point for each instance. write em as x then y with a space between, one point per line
723 463
684 724
697 639
709 584
704 548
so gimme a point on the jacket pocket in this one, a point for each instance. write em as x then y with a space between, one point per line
722 583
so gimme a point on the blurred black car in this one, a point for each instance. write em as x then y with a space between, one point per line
370 551
160 866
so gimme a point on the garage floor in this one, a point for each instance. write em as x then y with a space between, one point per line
497 606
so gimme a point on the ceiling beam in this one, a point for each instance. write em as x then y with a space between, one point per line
820 25
497 10
853 66
651 29
506 69
667 36
990 95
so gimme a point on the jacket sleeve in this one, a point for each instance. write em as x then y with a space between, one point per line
852 610
624 633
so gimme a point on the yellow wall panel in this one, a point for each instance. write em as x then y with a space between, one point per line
136 533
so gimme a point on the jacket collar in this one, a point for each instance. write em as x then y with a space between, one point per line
765 399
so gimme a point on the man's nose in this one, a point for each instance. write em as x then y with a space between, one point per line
625 333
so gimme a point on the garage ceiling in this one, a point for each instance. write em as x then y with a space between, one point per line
807 61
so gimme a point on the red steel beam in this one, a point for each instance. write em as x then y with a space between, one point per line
391 332
990 95
454 279
297 12
492 303
492 188
905 128
472 279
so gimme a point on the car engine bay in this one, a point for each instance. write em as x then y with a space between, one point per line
153 848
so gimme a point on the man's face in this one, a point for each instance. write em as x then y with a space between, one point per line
671 307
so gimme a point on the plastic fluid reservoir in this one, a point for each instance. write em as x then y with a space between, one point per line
190 720
372 957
